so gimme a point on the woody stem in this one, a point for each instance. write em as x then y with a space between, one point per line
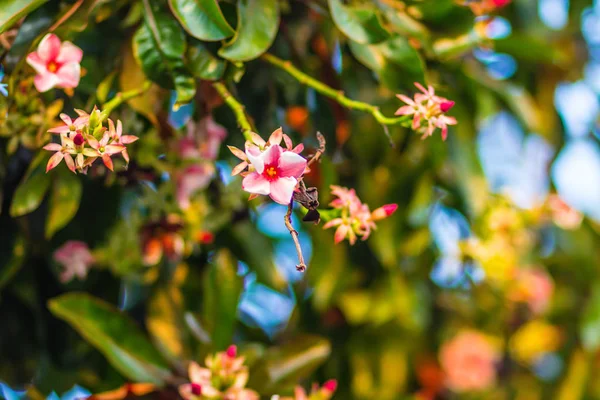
237 108
288 223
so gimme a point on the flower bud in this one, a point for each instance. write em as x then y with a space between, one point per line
446 105
384 212
78 140
231 351
196 389
330 386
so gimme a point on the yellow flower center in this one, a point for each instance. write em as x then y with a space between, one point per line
52 67
271 172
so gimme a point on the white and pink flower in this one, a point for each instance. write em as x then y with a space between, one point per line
56 64
75 258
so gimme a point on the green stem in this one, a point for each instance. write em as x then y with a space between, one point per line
330 92
122 97
237 108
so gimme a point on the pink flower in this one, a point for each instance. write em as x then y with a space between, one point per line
468 361
190 180
62 151
56 64
384 212
562 214
275 174
75 258
70 125
102 149
119 139
428 111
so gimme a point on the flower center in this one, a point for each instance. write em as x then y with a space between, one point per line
270 173
72 127
101 149
52 66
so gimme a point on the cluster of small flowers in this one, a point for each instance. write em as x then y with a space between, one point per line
356 219
428 111
268 168
224 377
324 392
85 139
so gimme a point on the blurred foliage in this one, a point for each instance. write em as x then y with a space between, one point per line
184 266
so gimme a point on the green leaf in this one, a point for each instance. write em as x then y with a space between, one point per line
10 269
360 24
113 334
159 47
203 64
12 11
166 325
589 329
222 289
287 364
258 21
65 197
396 63
203 19
29 194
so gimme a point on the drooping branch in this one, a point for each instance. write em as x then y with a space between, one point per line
336 95
237 108
122 97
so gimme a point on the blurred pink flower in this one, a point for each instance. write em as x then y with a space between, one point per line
56 64
325 392
535 287
276 172
75 258
468 360
428 111
562 214
192 179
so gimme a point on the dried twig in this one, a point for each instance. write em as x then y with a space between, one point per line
301 267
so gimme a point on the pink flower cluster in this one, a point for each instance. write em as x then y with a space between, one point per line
198 149
355 217
469 362
224 377
324 392
84 140
75 258
428 111
56 64
272 170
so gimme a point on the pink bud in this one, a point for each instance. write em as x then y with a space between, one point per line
384 212
196 389
501 3
78 139
231 351
446 105
330 385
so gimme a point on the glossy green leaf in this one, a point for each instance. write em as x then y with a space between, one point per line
222 290
287 364
203 19
257 25
360 24
11 11
30 194
113 334
203 64
65 197
396 63
159 47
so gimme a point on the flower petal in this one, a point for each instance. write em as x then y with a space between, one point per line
257 140
239 168
405 99
340 233
68 75
292 164
405 110
114 149
54 161
256 158
237 152
256 183
276 136
282 189
93 142
272 154
107 161
37 63
45 81
69 53
70 162
49 48
53 147
127 139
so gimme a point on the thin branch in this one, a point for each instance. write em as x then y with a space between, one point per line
237 108
336 95
122 97
320 150
301 267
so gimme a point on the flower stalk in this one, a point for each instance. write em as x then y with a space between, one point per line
237 108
